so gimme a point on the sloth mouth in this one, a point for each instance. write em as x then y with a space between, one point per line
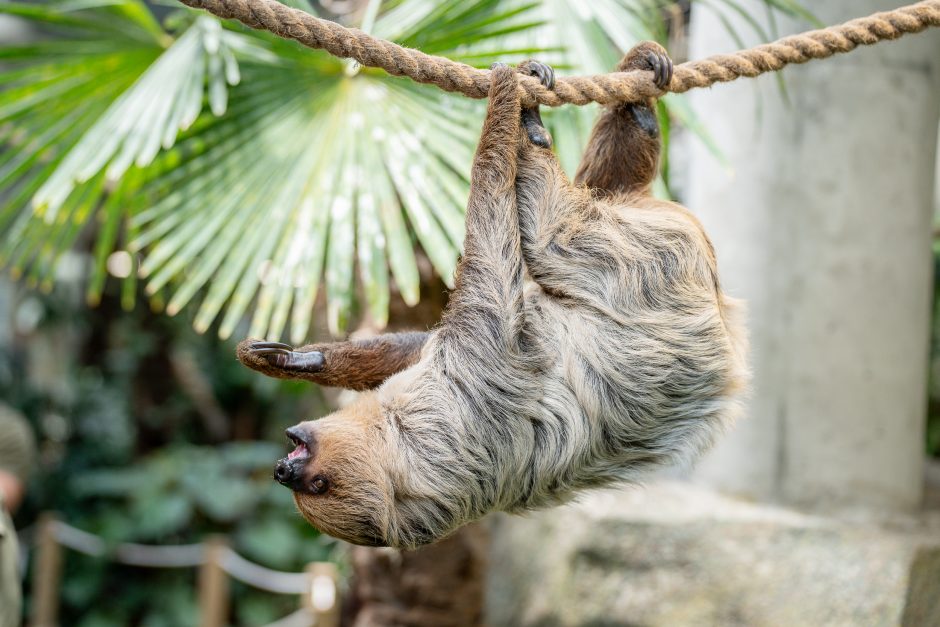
300 447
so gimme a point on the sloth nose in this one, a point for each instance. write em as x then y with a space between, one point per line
284 472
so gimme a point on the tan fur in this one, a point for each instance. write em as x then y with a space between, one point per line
587 341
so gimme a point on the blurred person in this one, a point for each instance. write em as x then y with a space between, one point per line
17 452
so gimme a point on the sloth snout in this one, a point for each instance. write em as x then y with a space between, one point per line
289 470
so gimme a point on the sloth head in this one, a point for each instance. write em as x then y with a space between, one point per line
337 473
350 480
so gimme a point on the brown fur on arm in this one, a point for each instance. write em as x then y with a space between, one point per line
487 298
354 365
622 156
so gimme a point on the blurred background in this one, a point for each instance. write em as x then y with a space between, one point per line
171 183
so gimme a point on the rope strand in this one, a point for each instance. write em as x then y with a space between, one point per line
633 86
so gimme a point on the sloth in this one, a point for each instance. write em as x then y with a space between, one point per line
586 342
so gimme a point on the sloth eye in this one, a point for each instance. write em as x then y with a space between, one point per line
319 485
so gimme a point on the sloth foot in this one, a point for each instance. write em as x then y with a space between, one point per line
531 118
659 63
544 72
649 56
285 357
655 59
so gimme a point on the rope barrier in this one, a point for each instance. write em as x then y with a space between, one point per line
148 556
180 556
633 86
317 586
263 578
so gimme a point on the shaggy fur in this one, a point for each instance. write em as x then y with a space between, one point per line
587 341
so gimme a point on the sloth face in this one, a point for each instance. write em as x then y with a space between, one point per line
337 473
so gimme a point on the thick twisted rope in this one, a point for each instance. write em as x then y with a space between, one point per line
633 86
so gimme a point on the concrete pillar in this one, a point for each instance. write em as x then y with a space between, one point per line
822 221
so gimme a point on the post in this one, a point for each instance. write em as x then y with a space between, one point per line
213 585
46 574
322 596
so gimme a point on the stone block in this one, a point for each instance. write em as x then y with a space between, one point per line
675 554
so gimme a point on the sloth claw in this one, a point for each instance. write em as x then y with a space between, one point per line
653 58
257 346
284 356
268 351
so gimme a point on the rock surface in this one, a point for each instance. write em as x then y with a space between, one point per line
675 554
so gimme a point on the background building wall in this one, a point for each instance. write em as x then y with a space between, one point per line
822 218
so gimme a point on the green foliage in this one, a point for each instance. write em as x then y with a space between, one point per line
126 454
235 172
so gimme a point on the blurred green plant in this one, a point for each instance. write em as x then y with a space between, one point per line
126 453
235 172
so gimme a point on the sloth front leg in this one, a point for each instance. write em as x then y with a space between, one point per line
484 313
354 365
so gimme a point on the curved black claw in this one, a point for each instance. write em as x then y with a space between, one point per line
284 356
662 68
269 348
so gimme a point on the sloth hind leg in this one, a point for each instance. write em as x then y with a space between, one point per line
622 155
354 365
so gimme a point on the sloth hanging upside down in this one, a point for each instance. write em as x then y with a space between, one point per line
586 341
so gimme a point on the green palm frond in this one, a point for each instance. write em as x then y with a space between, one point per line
235 173
302 171
52 91
342 168
167 98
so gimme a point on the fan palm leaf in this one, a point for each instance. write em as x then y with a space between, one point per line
237 174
